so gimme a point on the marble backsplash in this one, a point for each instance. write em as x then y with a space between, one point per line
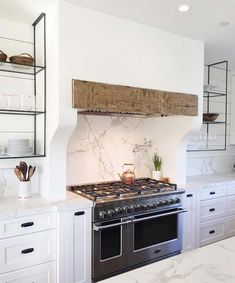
100 145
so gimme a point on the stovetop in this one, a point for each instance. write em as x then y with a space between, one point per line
117 189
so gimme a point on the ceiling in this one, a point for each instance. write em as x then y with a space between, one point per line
201 22
25 11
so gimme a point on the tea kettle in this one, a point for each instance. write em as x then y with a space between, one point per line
128 176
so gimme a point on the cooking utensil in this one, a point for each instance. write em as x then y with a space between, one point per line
19 174
128 176
24 169
210 117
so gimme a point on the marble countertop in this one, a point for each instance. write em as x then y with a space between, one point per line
210 264
11 207
205 181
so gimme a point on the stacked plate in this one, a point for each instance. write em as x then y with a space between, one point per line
19 147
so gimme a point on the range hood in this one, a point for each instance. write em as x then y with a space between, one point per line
107 99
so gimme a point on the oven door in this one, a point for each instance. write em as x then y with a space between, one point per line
155 235
110 243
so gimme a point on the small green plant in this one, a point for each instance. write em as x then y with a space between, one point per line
157 161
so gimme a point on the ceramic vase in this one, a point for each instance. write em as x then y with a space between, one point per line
24 190
156 175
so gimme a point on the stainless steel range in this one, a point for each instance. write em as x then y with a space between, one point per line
133 224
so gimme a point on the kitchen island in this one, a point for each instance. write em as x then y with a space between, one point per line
210 264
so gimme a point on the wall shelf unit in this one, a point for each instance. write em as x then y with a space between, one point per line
25 117
213 135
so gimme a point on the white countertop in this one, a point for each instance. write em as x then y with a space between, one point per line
11 207
210 264
206 181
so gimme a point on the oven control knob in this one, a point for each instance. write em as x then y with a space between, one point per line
111 212
153 204
140 206
147 206
126 209
119 210
133 207
163 202
102 214
171 201
177 200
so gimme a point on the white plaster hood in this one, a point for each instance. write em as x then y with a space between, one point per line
95 47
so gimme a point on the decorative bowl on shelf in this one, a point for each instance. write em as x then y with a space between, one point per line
210 117
3 56
23 58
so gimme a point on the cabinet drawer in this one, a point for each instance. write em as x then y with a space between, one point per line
212 209
231 189
231 204
230 222
44 273
26 225
212 232
28 250
213 193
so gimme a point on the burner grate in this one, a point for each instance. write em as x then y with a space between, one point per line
107 190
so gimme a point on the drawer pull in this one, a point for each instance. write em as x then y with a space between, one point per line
189 195
157 251
27 251
212 209
79 213
27 224
212 232
212 193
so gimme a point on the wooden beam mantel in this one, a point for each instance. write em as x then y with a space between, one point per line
108 98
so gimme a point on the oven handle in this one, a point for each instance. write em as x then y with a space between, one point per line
160 215
97 228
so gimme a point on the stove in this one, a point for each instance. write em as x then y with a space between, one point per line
133 224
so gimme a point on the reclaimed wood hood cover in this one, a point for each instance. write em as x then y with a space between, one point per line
100 98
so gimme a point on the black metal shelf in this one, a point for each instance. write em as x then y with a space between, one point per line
22 156
21 112
20 68
37 132
215 122
208 95
213 94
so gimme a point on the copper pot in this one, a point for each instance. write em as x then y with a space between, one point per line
128 176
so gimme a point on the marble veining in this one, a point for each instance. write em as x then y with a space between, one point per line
210 264
11 207
100 145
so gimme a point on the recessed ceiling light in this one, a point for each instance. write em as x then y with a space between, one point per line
184 8
224 24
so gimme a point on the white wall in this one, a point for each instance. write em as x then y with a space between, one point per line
103 48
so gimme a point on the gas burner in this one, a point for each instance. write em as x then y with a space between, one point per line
115 190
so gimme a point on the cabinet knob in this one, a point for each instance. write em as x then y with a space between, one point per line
189 195
79 213
212 232
212 209
157 251
212 193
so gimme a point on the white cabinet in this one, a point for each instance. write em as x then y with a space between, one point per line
74 246
28 249
44 273
212 209
26 225
190 221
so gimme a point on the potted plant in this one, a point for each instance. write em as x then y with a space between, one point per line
157 161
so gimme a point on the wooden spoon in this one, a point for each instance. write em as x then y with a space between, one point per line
19 174
31 172
24 169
